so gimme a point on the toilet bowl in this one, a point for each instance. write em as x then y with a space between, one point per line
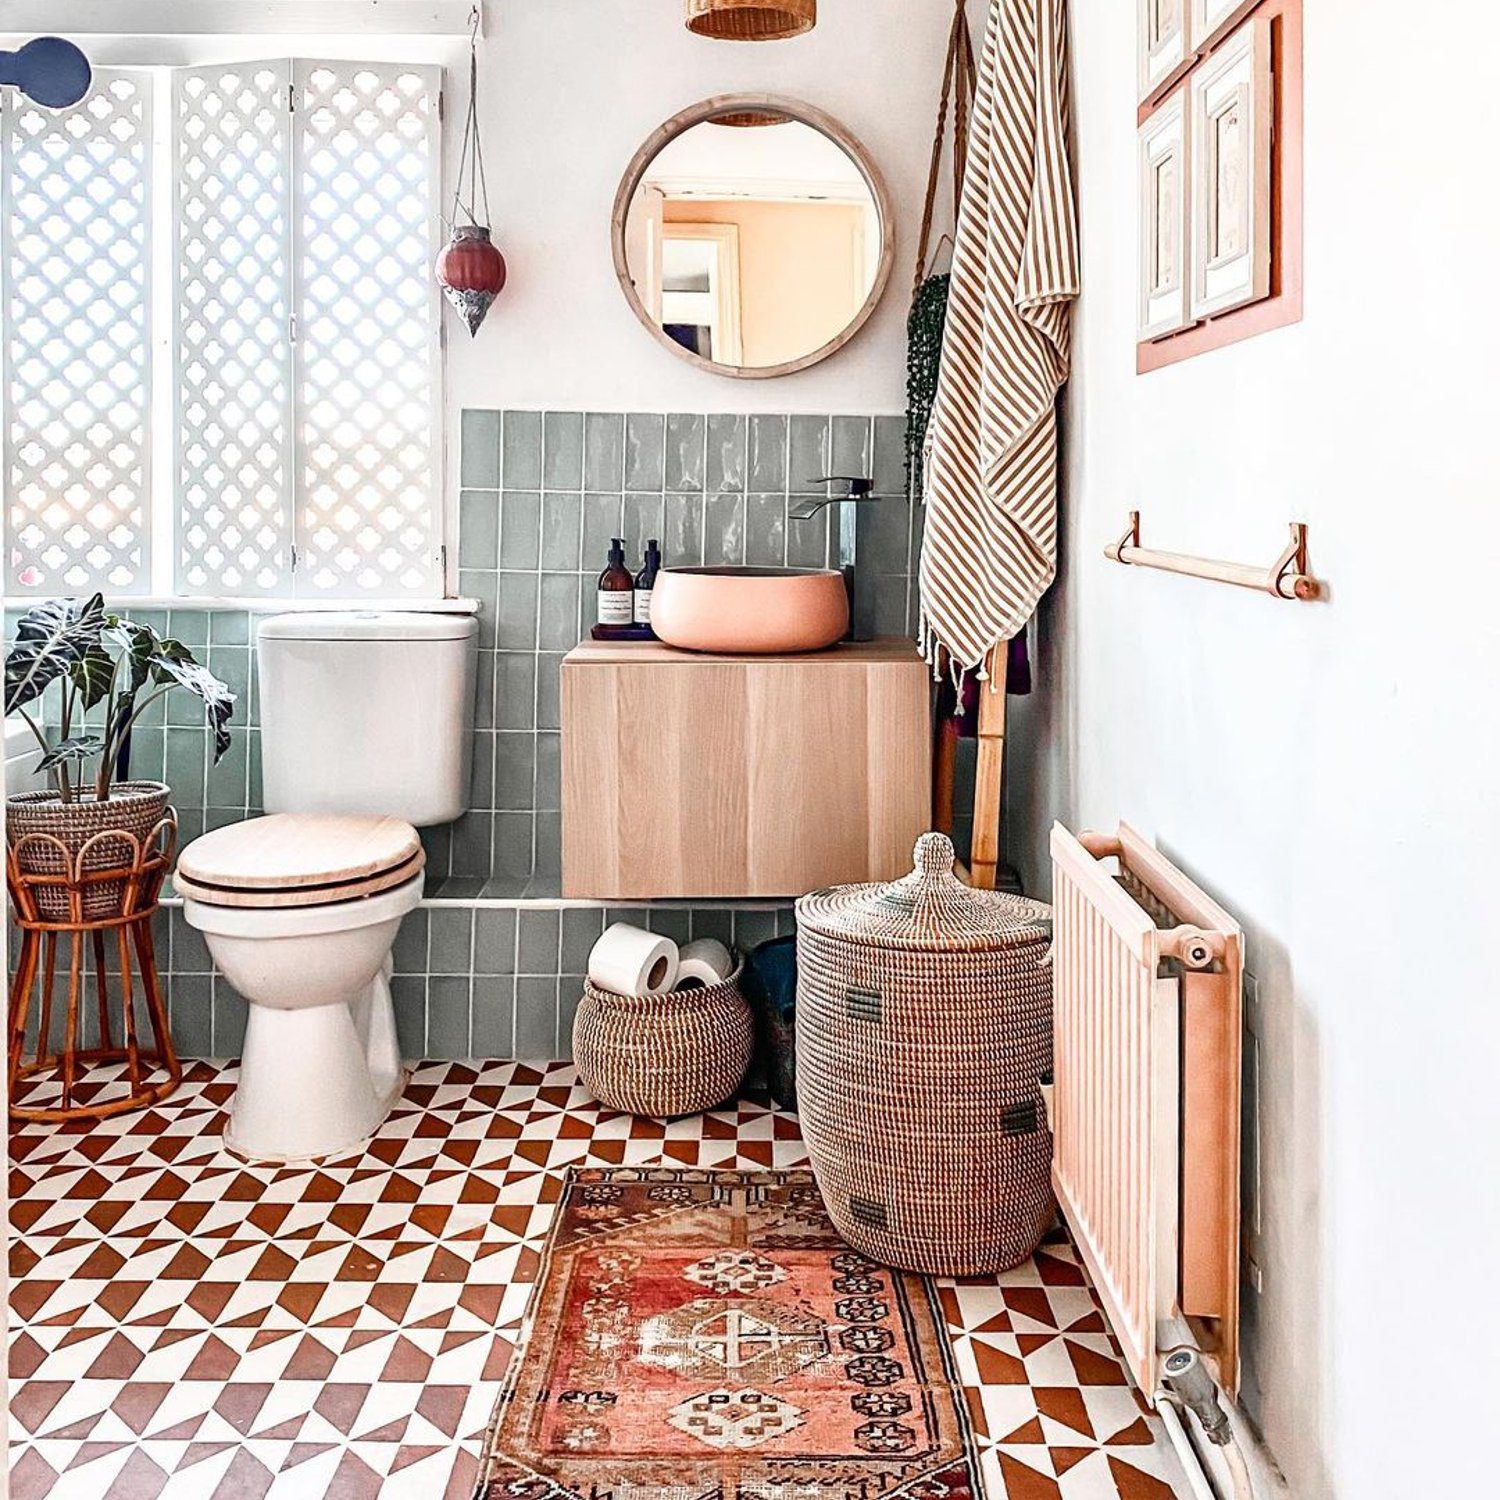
299 911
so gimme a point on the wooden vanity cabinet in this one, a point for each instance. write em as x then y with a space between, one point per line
687 775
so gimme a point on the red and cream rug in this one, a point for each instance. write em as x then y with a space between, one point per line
708 1334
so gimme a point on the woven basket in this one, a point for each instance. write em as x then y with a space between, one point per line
751 20
924 1024
663 1055
133 812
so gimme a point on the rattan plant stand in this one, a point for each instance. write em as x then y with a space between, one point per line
151 1073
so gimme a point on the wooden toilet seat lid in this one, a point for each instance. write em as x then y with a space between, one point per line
293 858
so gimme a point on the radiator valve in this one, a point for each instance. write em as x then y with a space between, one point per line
1186 1376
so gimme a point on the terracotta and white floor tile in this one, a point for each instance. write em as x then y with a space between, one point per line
187 1326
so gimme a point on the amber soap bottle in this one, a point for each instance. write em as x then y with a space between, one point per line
616 588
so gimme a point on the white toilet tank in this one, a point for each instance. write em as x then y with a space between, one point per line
367 712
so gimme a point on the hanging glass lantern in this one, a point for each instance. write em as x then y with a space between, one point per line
470 269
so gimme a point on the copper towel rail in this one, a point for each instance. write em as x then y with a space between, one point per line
1286 578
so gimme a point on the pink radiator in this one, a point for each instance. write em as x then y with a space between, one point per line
1145 1105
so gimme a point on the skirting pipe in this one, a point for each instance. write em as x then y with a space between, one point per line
1172 1420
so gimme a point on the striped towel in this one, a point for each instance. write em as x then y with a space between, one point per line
990 543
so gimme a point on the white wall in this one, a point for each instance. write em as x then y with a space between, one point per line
570 89
1327 771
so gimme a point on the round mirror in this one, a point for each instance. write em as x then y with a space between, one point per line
752 235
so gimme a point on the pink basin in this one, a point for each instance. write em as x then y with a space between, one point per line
751 611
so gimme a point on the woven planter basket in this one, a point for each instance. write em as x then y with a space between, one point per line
663 1055
751 20
134 808
924 1024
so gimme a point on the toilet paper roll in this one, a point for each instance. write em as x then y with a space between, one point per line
631 961
704 961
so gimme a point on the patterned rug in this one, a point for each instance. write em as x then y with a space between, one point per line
707 1336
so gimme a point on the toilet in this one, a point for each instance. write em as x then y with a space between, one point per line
366 729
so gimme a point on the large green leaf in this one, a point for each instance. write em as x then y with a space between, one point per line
173 662
76 748
92 673
49 640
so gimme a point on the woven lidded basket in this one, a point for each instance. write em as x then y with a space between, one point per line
663 1055
924 1024
114 830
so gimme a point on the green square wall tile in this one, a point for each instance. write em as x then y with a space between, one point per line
537 944
190 1014
515 690
515 623
581 927
604 450
562 450
602 516
184 767
479 450
808 455
548 772
686 435
725 444
478 529
190 626
520 528
409 998
724 529
515 771
562 532
230 1015
714 922
495 940
767 455
473 851
493 1016
409 953
558 625
536 1018
521 449
229 627
450 944
645 443
765 530
448 1018
849 446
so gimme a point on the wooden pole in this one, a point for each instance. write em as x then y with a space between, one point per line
984 857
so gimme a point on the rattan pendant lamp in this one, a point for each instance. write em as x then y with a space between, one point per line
751 20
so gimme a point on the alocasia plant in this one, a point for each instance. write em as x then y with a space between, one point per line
110 670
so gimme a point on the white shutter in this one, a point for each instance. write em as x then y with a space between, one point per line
233 275
368 358
75 196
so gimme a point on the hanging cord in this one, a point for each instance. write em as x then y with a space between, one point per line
928 315
959 83
471 156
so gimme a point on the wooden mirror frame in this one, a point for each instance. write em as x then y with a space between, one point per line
806 114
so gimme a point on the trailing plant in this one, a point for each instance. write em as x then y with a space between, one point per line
107 670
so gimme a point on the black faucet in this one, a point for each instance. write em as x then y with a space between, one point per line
846 491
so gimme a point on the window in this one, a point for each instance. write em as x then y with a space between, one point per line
222 335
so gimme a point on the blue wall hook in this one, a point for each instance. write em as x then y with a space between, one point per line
53 72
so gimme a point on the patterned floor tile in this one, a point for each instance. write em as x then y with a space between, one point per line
192 1327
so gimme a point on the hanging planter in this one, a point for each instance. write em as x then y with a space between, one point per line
751 20
470 269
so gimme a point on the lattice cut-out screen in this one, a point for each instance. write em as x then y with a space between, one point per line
233 128
75 203
368 358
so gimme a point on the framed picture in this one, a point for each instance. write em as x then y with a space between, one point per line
1206 18
1161 43
1230 147
1163 305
